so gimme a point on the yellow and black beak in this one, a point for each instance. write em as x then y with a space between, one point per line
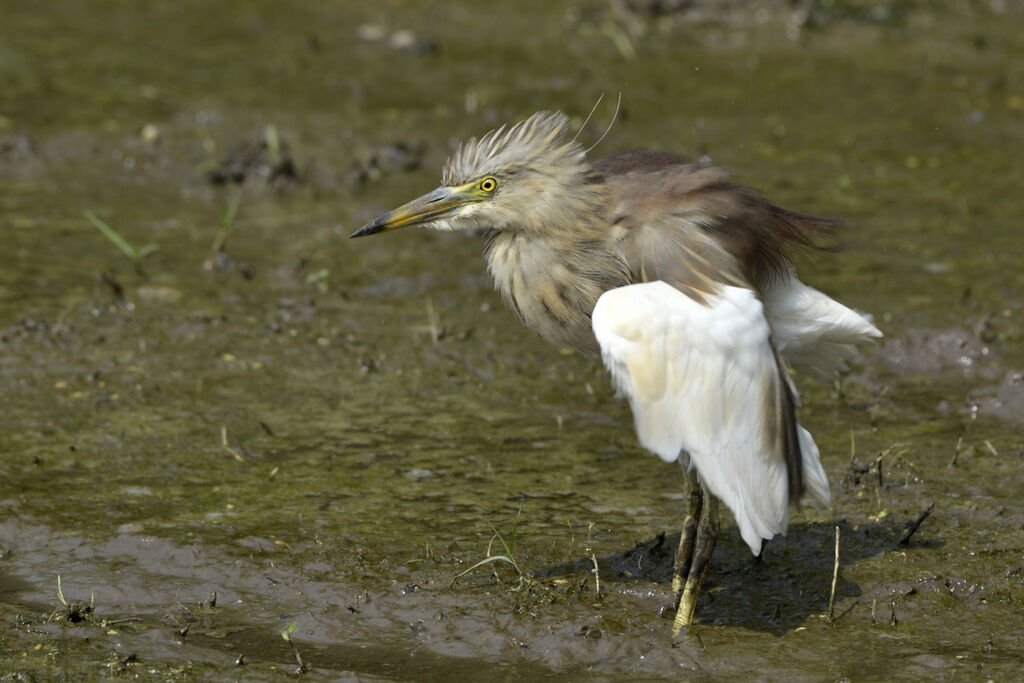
431 206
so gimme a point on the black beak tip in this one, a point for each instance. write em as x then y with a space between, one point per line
369 229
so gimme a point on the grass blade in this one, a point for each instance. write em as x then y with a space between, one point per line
501 539
112 235
488 560
227 220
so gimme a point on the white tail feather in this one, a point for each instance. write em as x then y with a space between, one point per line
813 332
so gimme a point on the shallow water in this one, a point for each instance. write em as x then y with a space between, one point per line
321 431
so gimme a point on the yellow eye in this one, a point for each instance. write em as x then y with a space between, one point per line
488 184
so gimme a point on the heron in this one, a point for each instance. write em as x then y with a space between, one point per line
683 282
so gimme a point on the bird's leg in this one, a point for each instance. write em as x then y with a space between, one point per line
707 536
684 556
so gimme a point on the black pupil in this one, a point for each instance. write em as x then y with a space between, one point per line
488 184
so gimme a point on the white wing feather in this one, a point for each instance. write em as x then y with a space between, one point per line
697 377
813 332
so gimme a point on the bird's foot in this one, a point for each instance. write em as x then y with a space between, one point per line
700 548
688 537
686 607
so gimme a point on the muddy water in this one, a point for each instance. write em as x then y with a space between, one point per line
268 424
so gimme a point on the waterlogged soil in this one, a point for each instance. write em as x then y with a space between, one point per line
261 424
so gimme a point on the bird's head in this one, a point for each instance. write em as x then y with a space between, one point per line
518 178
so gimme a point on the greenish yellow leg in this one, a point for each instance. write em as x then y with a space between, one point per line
707 536
684 556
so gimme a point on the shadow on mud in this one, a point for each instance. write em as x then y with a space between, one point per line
775 592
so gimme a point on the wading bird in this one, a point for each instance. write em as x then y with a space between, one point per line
683 282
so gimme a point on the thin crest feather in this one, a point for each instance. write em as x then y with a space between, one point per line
587 120
615 115
509 147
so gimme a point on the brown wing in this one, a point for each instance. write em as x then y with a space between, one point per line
686 223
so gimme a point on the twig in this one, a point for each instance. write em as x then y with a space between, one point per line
60 593
913 525
224 443
597 575
835 577
434 321
956 453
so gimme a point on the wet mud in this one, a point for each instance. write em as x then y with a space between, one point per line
240 445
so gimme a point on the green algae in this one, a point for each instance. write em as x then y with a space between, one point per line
381 408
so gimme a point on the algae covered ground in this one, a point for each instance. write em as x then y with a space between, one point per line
223 421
